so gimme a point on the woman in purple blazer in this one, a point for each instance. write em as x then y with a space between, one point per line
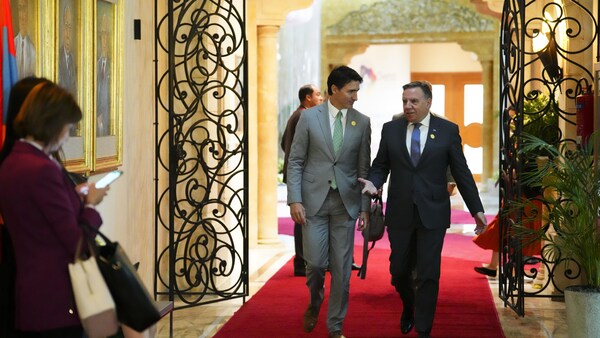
42 212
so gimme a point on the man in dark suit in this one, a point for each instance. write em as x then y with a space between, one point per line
330 151
416 151
309 96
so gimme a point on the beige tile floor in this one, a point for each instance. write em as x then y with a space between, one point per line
543 317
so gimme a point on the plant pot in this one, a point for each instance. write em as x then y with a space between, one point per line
583 310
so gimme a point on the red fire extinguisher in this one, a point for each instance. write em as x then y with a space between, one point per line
584 104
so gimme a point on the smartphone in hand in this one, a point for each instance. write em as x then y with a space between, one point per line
108 178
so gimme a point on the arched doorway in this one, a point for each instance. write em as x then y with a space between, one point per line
405 22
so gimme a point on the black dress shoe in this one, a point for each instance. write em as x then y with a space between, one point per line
406 323
355 267
299 272
485 271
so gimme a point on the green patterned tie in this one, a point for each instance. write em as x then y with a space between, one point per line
338 138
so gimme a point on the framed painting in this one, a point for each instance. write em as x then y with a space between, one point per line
68 53
26 23
67 59
108 87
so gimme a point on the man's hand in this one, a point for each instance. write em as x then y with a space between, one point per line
481 222
451 188
298 213
368 187
363 221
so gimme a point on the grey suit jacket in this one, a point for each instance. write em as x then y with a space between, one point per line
312 163
424 185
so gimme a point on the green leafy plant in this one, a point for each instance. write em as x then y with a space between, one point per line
571 185
540 119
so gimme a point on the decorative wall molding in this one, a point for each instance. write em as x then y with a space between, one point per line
408 16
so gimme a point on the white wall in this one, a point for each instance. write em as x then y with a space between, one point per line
128 209
442 58
381 98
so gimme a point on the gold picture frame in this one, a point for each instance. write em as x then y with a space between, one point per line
79 45
108 125
70 66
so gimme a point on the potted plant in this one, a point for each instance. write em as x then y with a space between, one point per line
540 119
573 177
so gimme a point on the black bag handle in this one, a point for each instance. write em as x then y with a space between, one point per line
88 228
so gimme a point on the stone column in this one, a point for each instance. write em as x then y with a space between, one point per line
270 15
488 128
267 133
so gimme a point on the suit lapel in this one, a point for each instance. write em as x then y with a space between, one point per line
323 118
431 134
402 141
350 129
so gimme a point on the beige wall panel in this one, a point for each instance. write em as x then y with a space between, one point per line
128 210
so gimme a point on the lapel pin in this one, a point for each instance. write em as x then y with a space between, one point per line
353 123
432 136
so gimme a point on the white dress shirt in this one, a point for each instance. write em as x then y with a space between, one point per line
333 113
424 131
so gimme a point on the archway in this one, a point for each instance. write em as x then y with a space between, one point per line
406 22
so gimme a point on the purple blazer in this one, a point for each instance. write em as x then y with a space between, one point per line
42 213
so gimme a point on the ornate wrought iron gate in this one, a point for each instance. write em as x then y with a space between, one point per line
532 87
201 186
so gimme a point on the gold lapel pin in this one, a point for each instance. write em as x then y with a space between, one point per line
432 136
353 123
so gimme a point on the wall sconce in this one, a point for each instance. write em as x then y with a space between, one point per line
545 47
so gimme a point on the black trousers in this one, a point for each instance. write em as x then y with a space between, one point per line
415 260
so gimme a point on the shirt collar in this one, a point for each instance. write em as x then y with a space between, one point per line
333 110
425 122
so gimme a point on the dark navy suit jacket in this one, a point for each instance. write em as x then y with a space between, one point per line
42 213
424 185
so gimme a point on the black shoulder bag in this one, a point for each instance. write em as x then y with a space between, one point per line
372 233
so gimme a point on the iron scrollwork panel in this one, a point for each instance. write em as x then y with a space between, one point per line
535 78
201 147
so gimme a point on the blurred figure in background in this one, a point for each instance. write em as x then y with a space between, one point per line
309 96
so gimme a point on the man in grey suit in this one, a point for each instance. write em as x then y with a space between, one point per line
309 96
416 150
330 151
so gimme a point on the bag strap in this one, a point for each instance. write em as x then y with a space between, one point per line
90 229
379 200
79 249
362 272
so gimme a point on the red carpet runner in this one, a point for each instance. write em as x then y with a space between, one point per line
465 307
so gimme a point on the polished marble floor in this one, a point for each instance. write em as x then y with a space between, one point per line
544 318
